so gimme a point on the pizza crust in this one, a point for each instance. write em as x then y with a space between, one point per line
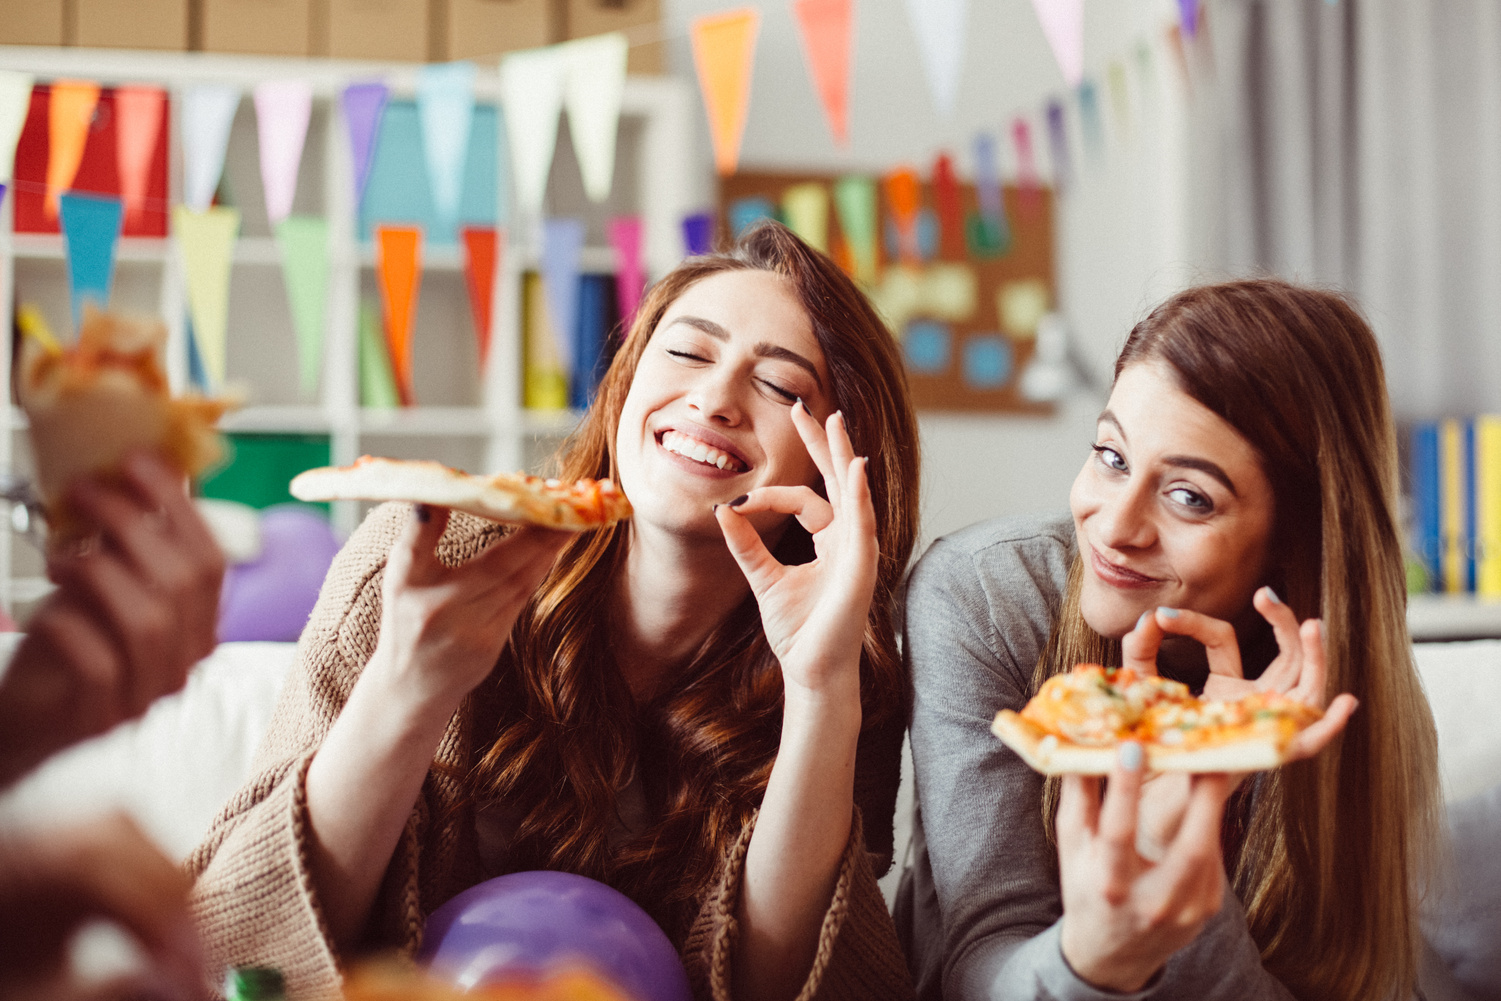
513 498
1051 756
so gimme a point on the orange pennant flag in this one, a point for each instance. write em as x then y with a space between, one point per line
904 198
138 122
724 53
482 245
828 31
69 112
398 265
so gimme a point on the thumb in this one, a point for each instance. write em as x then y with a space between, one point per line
414 557
756 562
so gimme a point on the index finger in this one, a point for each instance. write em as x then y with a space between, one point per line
816 439
1218 636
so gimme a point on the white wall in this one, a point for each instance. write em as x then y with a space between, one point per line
1121 228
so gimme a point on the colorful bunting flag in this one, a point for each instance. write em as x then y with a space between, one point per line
532 83
69 114
208 110
1089 117
625 234
1063 24
827 28
205 244
939 26
562 243
1058 147
2 194
855 203
377 382
282 111
1120 96
806 209
904 199
1188 17
363 104
724 55
950 208
698 233
1026 163
15 102
482 248
91 230
445 108
303 241
593 92
987 176
138 123
398 268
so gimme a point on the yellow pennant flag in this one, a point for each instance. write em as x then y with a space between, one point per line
206 243
724 53
69 112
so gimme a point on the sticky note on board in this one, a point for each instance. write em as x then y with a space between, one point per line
950 291
1020 304
898 296
928 346
987 361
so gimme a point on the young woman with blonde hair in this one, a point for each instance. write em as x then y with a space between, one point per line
702 707
1235 527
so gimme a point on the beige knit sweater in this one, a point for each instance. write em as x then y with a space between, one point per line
255 898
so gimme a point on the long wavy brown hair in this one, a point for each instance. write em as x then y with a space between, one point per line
1332 859
571 734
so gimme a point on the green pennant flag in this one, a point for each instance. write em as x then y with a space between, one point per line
377 383
303 241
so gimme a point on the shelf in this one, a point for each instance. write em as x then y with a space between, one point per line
1438 617
49 246
284 418
30 588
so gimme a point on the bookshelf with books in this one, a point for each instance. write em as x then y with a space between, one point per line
465 413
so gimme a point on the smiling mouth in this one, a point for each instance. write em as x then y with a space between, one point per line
690 447
1119 576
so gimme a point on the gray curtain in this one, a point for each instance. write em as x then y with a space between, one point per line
1358 144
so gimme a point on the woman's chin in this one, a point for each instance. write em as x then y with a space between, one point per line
1111 619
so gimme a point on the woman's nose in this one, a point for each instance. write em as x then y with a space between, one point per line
716 397
1124 520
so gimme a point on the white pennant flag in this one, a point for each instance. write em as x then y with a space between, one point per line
531 89
208 110
592 94
282 110
445 109
939 27
15 102
1063 23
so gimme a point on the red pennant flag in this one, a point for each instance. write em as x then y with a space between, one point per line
828 31
950 209
398 266
138 121
482 248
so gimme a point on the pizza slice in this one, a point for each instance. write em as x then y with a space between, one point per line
1077 721
511 497
91 404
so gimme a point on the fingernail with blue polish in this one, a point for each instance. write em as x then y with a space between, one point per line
1168 613
1130 756
1272 595
1143 620
739 500
801 403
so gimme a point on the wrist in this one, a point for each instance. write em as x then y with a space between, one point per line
400 703
1109 971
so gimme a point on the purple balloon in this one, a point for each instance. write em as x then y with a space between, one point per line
526 922
270 597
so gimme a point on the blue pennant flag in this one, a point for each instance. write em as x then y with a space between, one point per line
91 229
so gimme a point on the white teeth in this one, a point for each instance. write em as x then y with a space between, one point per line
692 448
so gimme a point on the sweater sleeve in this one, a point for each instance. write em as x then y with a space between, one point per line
254 896
980 610
858 957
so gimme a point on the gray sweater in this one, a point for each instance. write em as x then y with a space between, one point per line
980 908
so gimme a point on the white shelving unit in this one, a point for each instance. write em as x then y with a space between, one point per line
1438 617
655 179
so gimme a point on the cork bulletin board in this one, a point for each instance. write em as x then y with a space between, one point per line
964 300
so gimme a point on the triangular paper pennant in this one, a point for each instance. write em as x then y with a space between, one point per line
1089 117
445 109
138 122
303 241
806 208
91 230
625 234
377 383
855 202
69 113
904 199
592 94
828 32
950 208
1058 147
940 29
1063 24
363 104
282 111
1027 181
987 175
1188 17
15 102
482 248
562 243
208 110
398 268
724 54
532 83
2 194
206 243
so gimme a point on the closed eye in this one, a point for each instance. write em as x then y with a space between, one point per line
686 355
786 395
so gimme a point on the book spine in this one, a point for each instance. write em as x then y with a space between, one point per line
1427 540
1454 572
1488 504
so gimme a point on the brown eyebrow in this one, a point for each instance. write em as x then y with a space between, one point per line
761 350
1184 461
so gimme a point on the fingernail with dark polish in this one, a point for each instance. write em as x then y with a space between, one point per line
424 513
739 500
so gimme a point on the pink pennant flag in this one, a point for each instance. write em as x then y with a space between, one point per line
1026 163
630 277
828 32
282 110
1063 24
138 123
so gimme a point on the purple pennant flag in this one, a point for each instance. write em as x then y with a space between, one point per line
698 233
1188 16
630 279
562 242
987 176
363 105
2 194
1058 145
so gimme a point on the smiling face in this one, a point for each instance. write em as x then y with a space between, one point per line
708 415
1172 507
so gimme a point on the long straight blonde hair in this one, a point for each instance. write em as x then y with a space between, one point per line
1332 860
